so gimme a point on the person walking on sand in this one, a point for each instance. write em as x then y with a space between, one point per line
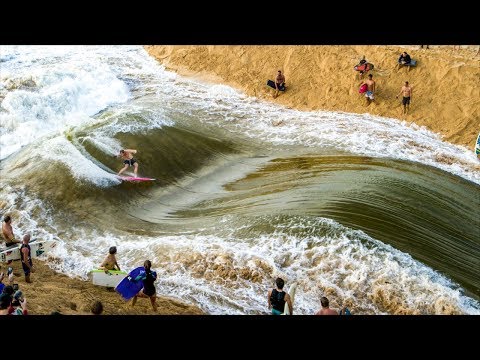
325 310
370 88
279 83
27 263
277 298
110 262
148 276
128 160
407 92
7 232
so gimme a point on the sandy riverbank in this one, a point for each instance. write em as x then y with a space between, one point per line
51 291
446 82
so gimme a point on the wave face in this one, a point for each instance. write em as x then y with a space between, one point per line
375 214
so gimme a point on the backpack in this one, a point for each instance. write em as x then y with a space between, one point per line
363 88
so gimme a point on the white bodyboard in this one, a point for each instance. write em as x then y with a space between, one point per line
37 249
112 279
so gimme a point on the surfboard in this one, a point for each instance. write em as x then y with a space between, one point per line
477 146
128 288
291 292
133 178
271 83
37 248
112 279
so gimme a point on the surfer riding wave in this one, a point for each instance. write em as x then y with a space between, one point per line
128 160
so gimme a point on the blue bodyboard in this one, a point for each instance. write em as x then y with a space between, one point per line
128 287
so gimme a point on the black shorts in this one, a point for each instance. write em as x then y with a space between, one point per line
26 269
281 87
149 292
406 100
129 162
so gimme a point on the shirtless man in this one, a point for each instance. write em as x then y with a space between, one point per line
128 160
407 96
110 262
279 83
370 88
7 232
325 310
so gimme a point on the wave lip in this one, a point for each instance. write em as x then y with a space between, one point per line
64 96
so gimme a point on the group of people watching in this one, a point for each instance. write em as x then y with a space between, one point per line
406 90
12 301
277 298
370 85
25 250
147 276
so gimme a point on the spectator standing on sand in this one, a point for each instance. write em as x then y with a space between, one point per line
26 254
407 92
371 87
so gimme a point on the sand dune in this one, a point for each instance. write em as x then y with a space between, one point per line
446 82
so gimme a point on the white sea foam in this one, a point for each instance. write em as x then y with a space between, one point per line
230 275
64 95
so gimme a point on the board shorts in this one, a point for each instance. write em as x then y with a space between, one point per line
406 100
369 94
26 269
276 312
149 292
129 162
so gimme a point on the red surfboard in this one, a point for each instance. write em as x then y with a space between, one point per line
132 178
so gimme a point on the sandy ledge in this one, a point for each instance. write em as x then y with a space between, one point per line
446 82
52 291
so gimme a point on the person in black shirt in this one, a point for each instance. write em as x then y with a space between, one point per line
277 298
148 276
404 59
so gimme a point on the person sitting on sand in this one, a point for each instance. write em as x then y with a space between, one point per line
363 67
325 310
404 59
279 83
128 160
148 276
110 262
407 92
277 298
